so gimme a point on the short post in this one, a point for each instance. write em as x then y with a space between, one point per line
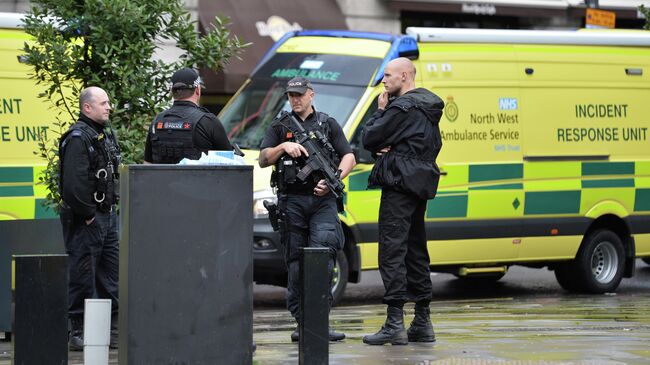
97 331
314 307
40 326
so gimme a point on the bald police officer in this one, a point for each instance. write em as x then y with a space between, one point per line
89 158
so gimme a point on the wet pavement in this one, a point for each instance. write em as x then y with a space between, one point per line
541 325
606 329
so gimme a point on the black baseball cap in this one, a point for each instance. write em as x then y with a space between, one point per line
298 85
186 78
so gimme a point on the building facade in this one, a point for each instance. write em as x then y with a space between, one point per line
262 22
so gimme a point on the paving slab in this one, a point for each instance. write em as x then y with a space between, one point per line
541 329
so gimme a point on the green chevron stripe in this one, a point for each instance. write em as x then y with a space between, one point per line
40 212
607 168
610 183
552 202
642 200
495 172
7 191
447 207
358 182
16 174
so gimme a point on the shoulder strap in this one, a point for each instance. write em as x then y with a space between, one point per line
324 125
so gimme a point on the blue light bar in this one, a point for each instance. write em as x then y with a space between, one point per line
402 45
347 34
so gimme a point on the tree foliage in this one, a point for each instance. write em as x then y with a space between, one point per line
111 44
646 13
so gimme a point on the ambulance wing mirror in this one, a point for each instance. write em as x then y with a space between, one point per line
362 155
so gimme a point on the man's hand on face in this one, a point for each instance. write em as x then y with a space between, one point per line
382 101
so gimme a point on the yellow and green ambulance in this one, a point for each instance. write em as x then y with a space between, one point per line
546 153
26 227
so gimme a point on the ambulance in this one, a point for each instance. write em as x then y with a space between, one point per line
26 226
546 148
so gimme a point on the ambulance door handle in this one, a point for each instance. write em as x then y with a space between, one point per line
442 172
634 71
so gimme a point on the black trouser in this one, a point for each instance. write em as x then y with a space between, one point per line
311 221
93 259
403 256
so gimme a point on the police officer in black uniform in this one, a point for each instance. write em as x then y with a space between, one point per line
89 158
310 210
186 129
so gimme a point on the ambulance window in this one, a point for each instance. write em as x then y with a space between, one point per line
251 112
361 154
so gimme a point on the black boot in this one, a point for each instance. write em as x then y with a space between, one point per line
392 331
333 335
115 335
421 329
295 335
76 341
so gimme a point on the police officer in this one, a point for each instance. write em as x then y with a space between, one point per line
404 133
186 129
309 207
89 158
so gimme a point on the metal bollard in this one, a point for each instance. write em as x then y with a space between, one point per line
40 327
314 307
97 331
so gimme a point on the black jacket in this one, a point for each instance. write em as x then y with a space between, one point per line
80 158
409 125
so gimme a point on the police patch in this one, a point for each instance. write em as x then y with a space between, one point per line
179 125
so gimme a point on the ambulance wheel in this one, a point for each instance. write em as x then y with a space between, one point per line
647 260
565 276
340 277
600 262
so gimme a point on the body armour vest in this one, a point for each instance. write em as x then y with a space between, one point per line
104 157
172 133
284 176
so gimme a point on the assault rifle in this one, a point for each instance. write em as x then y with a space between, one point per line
318 161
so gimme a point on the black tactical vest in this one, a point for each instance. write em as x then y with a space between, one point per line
286 168
104 157
172 133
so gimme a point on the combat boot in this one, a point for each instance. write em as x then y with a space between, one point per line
392 331
76 341
421 329
115 334
333 335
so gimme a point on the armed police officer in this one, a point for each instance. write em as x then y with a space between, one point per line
309 207
186 129
89 158
404 133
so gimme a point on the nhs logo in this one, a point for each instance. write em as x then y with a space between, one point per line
507 103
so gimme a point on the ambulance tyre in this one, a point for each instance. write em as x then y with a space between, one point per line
600 262
340 277
647 260
565 276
